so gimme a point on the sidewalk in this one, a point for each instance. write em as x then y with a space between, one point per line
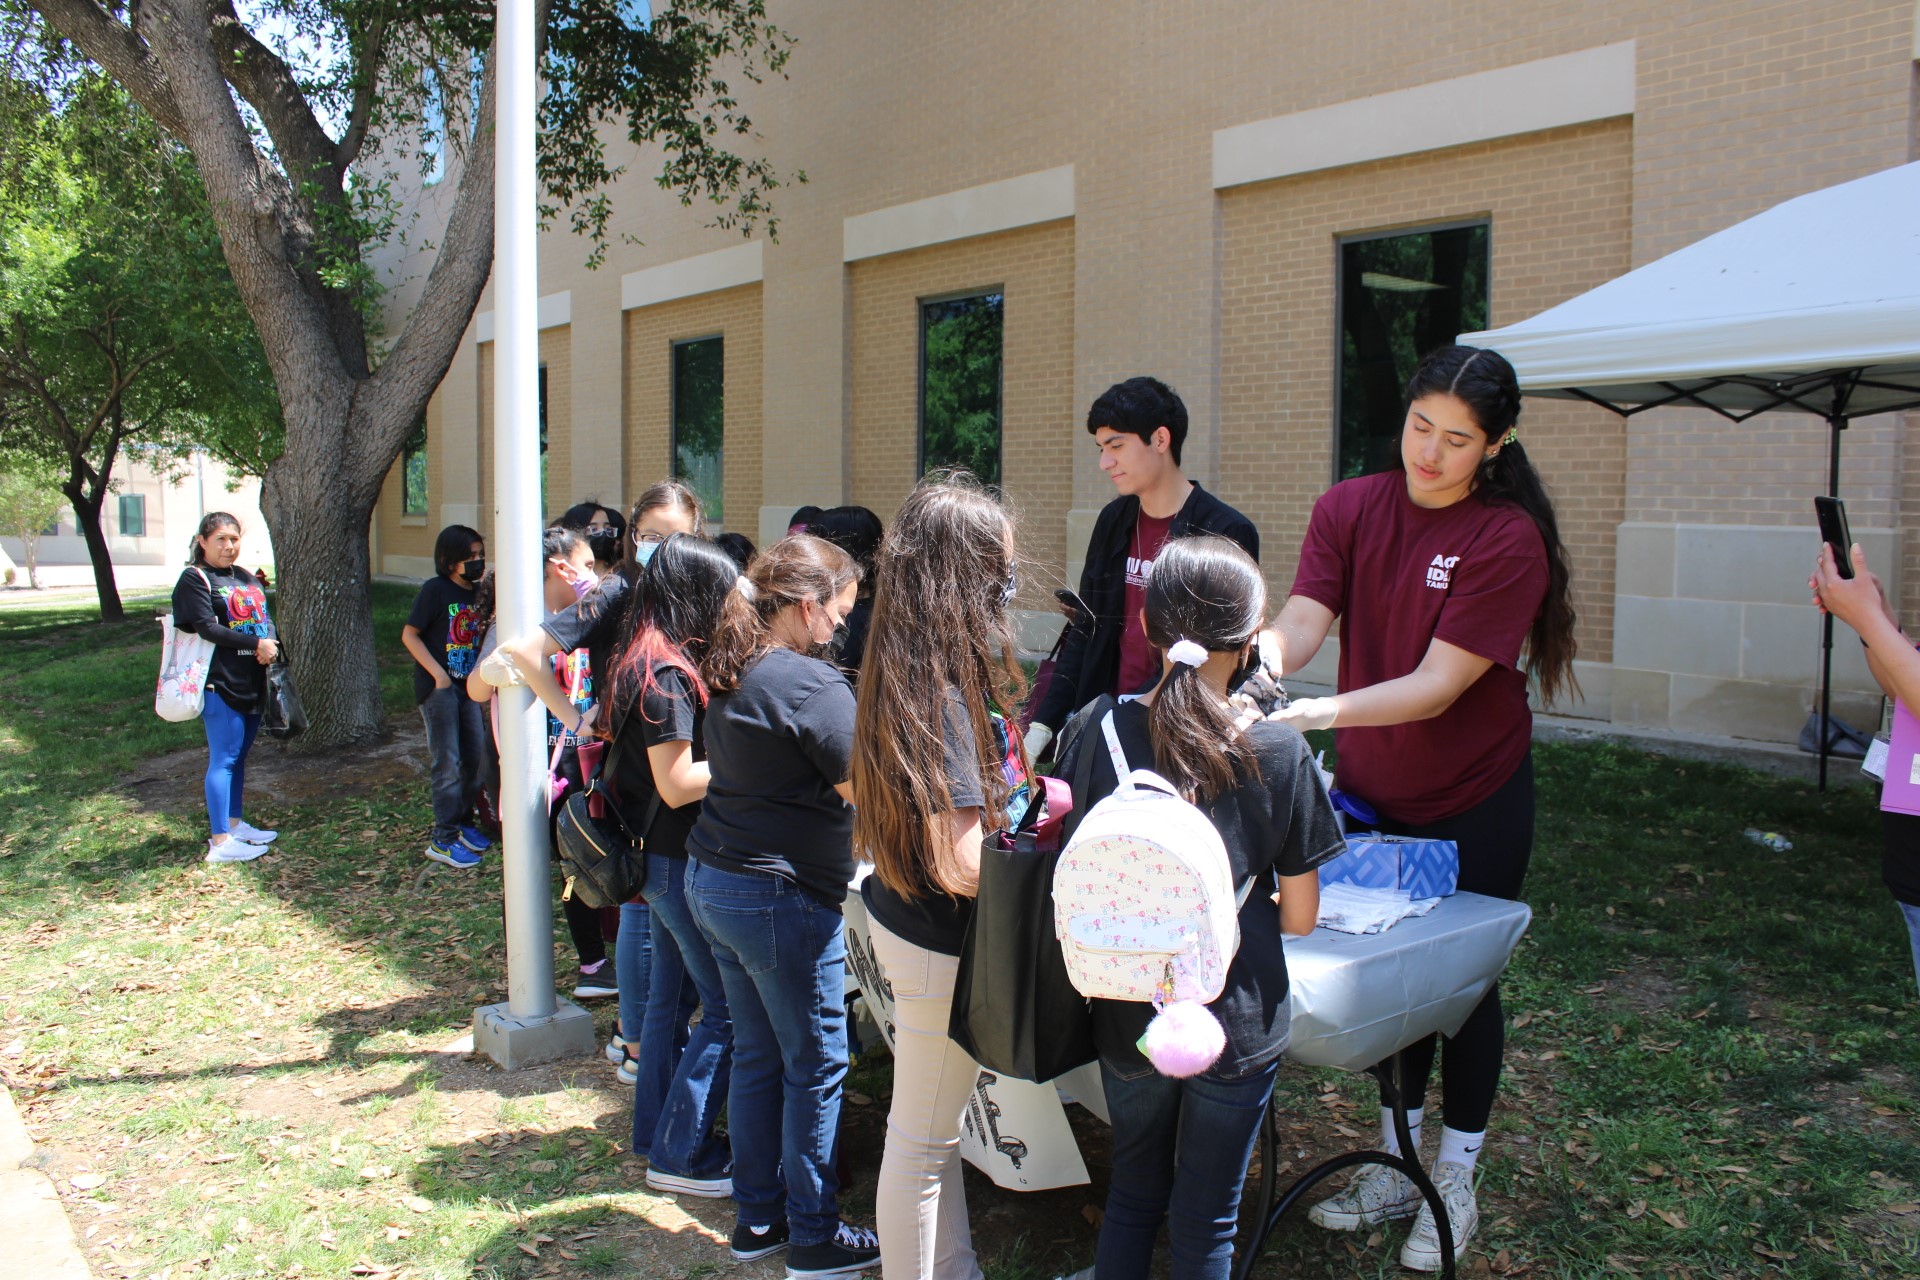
73 583
39 1241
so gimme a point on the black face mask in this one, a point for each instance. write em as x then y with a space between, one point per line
829 649
605 544
475 569
1249 664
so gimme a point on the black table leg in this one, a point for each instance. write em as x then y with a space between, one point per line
1388 1074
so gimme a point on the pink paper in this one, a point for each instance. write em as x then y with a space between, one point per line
1900 793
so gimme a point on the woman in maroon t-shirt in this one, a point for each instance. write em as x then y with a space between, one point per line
1443 573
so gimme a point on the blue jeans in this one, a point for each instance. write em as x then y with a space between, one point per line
1204 1131
684 1073
457 751
782 957
1912 914
230 736
632 965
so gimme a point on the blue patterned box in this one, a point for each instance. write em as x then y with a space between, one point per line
1424 868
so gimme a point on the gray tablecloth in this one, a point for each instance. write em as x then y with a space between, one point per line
1358 998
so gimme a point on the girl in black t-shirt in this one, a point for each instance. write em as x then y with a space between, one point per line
218 600
1204 606
772 855
933 769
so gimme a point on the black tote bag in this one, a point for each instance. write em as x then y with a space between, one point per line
1015 1011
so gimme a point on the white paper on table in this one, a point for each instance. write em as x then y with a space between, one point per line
1014 1131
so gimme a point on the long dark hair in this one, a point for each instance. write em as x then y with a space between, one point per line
1207 590
939 624
794 569
676 608
1484 382
856 531
208 523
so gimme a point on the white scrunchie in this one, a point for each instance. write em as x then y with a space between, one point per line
1187 653
745 584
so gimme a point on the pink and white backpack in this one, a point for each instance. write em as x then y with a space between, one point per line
1143 899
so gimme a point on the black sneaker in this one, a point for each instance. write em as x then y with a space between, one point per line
851 1249
749 1243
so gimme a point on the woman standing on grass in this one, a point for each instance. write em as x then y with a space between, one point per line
219 601
934 768
1443 572
772 857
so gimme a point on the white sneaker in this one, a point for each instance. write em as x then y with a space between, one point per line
616 1049
1376 1194
1454 1182
250 833
233 849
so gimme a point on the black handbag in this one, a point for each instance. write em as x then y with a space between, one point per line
1015 1010
281 715
602 855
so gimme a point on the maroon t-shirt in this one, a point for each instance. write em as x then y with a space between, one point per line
1138 661
1401 576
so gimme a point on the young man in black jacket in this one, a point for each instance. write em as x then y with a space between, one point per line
1139 426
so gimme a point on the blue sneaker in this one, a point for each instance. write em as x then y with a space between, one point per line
455 855
475 839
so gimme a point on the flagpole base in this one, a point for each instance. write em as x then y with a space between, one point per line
515 1042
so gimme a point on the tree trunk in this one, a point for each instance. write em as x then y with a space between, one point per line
320 553
86 514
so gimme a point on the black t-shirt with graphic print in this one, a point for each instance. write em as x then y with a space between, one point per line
229 608
1280 825
443 614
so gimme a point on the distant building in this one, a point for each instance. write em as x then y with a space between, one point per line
154 512
1275 207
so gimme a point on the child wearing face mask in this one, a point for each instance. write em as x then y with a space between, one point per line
440 634
568 574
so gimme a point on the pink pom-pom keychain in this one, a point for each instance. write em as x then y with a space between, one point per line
1183 1039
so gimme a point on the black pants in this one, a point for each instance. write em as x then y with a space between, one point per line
1496 843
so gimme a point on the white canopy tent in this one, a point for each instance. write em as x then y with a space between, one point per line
1811 307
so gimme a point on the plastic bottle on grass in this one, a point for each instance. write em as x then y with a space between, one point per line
1769 839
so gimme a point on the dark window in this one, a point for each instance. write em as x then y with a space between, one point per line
544 504
960 383
700 419
133 515
413 472
1400 297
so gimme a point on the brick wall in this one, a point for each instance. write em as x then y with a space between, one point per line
735 315
1559 205
1039 430
556 357
401 534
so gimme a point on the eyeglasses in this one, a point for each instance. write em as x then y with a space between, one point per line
645 539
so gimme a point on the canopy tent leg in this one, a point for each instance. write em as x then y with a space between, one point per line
1835 425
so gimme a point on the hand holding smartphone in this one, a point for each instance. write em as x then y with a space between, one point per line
1834 532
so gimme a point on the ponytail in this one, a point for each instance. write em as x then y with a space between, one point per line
793 569
1207 591
1484 382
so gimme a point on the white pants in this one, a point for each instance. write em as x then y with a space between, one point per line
921 1203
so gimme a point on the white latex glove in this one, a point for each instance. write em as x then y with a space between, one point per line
497 669
1307 713
1038 736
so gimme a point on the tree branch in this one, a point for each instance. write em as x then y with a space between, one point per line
366 82
259 75
121 53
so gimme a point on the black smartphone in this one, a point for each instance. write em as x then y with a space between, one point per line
1834 532
1075 608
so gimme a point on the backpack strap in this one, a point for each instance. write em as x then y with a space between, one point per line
1129 777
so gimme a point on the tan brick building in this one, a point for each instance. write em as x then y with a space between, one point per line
1176 190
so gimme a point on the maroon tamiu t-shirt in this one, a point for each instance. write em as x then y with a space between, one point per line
1401 576
1138 661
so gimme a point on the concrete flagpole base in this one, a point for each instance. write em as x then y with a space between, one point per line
515 1042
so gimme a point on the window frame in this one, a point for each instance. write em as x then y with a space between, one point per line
407 453
920 305
1340 243
141 500
673 410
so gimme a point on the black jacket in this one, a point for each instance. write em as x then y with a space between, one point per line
1089 659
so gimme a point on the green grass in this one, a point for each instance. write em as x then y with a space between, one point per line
1712 1071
